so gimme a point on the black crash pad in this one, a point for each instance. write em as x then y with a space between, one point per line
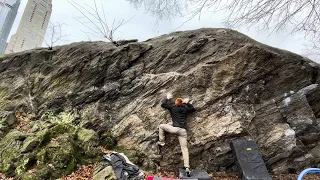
195 174
249 160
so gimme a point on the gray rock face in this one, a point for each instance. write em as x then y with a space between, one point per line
240 88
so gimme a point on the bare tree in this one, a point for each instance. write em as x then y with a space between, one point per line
162 9
86 35
54 34
274 15
312 51
94 19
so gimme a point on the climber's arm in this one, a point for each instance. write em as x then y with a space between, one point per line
189 108
166 103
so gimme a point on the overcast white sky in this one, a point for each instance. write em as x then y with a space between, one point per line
142 26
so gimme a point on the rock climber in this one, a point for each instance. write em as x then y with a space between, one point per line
179 112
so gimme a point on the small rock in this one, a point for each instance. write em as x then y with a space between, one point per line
8 117
197 45
35 128
123 42
106 173
29 144
88 136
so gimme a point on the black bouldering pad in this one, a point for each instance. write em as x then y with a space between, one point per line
249 160
195 174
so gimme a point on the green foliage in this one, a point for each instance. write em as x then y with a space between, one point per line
107 140
54 149
62 118
132 155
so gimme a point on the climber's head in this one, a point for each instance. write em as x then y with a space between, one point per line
179 102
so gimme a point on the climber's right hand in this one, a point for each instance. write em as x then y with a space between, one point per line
185 100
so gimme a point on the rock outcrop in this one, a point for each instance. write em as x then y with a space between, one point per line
240 88
46 149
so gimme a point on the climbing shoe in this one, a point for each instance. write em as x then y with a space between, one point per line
161 143
188 171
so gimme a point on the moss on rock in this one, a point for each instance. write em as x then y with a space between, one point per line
7 121
39 139
88 136
49 152
10 151
8 118
62 128
4 92
30 143
58 155
88 140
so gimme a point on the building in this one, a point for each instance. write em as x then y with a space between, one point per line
8 13
32 27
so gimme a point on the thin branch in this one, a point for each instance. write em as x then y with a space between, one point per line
54 34
87 27
86 33
85 15
96 20
272 15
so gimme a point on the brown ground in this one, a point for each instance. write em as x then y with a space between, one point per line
224 176
215 176
86 172
295 176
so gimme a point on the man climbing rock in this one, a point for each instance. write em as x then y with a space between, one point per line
179 112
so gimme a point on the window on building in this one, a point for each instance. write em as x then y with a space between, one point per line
23 41
41 11
44 5
44 19
33 11
8 5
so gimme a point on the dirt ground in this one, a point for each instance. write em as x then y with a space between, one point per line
86 172
224 176
228 176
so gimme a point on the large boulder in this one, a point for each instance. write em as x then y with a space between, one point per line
9 118
102 173
10 151
58 157
89 141
239 87
50 152
7 121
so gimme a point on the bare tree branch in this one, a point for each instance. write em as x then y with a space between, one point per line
163 9
54 34
86 33
96 21
273 15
